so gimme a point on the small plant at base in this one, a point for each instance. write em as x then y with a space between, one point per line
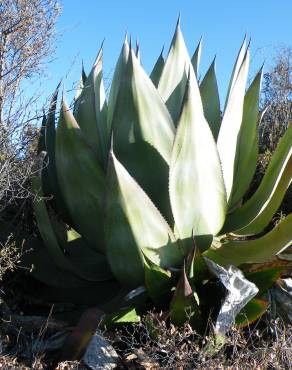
9 256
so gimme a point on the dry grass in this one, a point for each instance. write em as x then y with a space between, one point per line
9 363
159 346
154 344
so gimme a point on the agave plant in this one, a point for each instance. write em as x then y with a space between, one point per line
138 188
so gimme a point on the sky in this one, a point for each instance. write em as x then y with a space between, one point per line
83 25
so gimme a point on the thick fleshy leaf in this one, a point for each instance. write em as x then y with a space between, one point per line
196 185
124 315
55 288
36 255
132 223
210 99
265 278
171 254
230 126
258 211
157 70
150 120
192 259
173 79
196 58
88 265
143 133
116 81
49 237
184 306
50 181
80 86
236 69
253 251
42 134
89 261
81 179
91 112
251 312
247 143
46 229
158 282
137 52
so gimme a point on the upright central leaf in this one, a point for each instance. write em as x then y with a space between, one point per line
173 79
236 68
231 124
196 186
91 111
143 133
196 58
115 85
157 69
210 99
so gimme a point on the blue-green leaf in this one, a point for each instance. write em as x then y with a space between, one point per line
116 81
258 211
91 112
196 58
158 282
132 224
263 249
81 179
184 306
99 272
173 79
157 70
230 126
210 99
143 133
196 184
236 69
247 143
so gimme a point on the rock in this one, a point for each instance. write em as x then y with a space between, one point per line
100 355
239 292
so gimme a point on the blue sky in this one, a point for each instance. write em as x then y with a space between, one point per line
84 24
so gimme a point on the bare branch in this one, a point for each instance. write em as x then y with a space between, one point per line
27 31
277 100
